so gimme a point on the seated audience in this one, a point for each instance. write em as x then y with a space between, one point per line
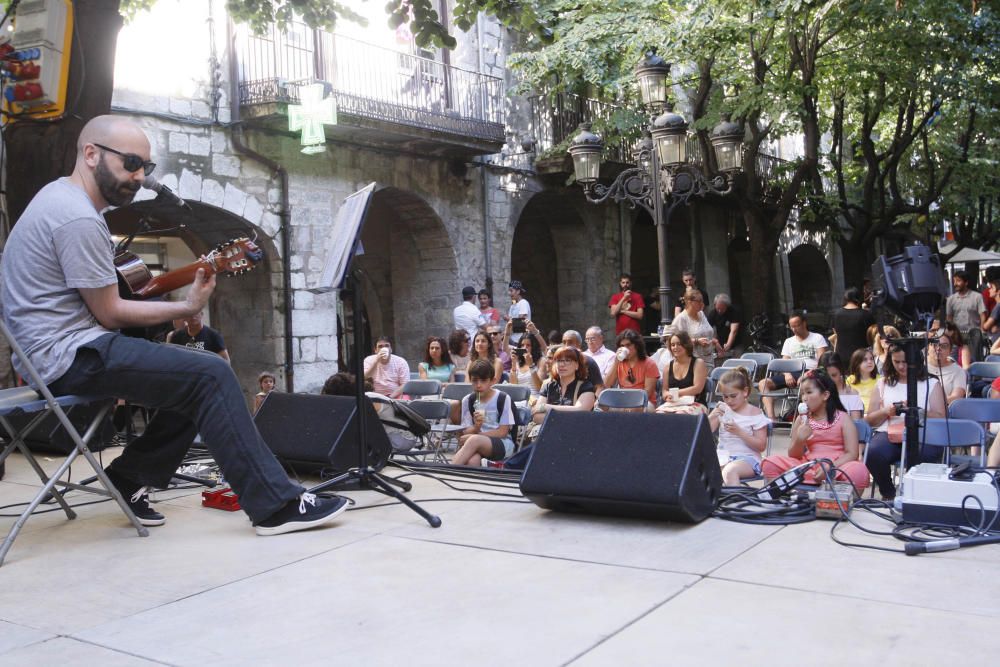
487 425
482 348
571 338
880 344
525 368
437 364
387 371
960 351
885 447
631 368
265 382
803 344
687 375
940 365
662 356
568 388
850 399
826 431
458 349
594 338
742 428
497 338
862 374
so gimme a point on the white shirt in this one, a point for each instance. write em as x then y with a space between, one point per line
804 348
519 309
604 358
468 316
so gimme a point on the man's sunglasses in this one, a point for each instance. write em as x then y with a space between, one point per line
131 161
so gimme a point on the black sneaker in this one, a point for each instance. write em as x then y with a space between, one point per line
309 511
136 498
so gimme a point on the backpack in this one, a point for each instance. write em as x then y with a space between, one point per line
501 402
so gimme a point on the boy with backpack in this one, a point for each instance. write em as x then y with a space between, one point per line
487 418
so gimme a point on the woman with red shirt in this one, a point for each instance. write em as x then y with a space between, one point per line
631 368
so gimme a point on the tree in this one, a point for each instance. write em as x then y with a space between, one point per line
46 150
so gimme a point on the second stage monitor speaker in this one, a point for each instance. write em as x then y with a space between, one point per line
625 464
316 431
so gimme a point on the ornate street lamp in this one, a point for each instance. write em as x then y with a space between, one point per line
662 175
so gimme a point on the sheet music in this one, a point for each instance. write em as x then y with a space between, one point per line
345 236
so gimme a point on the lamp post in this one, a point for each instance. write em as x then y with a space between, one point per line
662 178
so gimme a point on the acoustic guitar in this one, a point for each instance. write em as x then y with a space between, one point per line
135 281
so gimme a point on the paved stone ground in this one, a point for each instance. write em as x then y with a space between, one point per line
500 583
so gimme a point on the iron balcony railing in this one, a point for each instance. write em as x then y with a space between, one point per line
556 117
369 81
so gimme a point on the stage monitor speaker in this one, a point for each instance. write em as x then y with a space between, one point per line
314 431
625 464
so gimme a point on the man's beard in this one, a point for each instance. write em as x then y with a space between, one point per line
115 192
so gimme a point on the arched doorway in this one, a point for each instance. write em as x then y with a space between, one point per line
245 309
811 282
551 254
410 272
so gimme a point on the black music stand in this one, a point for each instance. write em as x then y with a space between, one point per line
337 277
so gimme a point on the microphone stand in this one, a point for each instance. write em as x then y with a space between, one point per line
367 476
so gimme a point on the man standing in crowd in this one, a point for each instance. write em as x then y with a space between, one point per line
60 299
626 307
850 324
387 371
467 315
726 320
803 344
519 309
196 335
572 339
966 309
690 282
596 350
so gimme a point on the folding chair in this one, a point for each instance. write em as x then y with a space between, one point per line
981 410
456 391
24 400
712 384
622 399
949 433
519 394
992 358
749 364
981 372
436 412
416 389
788 395
761 358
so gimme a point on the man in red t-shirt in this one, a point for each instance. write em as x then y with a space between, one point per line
626 307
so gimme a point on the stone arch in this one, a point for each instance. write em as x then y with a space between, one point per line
551 253
246 309
810 280
410 271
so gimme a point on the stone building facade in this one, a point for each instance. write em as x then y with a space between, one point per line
450 208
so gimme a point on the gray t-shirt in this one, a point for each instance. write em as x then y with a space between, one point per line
60 244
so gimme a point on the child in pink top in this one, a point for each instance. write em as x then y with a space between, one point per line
825 432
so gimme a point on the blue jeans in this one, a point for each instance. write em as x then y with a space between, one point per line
194 392
882 454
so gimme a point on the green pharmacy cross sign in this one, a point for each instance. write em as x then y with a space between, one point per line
310 116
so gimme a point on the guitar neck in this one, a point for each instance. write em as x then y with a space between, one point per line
172 280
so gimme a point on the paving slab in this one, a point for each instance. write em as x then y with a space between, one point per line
13 636
67 652
804 557
389 600
722 622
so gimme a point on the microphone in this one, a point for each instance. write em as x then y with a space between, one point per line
161 190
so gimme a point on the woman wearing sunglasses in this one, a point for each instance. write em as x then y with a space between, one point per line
631 368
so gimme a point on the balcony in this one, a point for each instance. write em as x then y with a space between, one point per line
385 98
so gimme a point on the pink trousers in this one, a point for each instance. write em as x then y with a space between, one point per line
856 471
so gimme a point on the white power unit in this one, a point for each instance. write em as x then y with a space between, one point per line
929 495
